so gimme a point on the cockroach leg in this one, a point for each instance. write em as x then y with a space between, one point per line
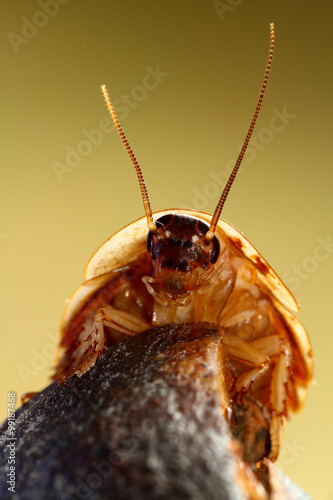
103 328
275 436
27 396
244 381
244 351
280 379
269 345
121 321
259 353
279 396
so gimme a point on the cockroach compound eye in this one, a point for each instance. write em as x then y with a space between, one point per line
184 266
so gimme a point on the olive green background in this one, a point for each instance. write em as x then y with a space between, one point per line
185 125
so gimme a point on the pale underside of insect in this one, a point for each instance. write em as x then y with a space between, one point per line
192 267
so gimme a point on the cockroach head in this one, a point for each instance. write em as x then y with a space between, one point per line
180 254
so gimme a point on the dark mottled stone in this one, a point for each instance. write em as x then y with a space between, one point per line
144 423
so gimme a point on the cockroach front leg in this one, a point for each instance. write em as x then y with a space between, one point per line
244 351
93 339
259 353
274 345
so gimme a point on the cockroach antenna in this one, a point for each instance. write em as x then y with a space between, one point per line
145 198
210 234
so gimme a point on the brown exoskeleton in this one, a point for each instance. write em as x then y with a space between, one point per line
190 266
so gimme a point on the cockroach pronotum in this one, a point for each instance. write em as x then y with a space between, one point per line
189 266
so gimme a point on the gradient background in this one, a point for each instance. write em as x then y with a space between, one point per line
190 125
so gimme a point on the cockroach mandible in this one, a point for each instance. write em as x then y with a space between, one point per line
192 267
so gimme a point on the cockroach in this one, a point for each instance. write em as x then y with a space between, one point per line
189 266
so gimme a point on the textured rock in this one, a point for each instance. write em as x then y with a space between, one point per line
146 422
